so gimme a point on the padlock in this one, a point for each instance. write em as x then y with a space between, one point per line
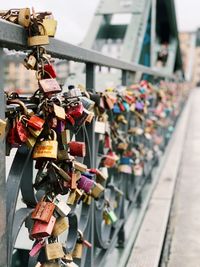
85 184
125 169
35 133
59 112
97 190
42 229
50 26
110 159
71 264
87 103
36 122
122 146
24 17
90 117
111 215
72 198
2 128
21 130
75 109
122 119
73 184
79 166
61 207
101 177
65 135
50 264
49 70
54 251
78 250
87 200
30 62
100 127
68 257
109 103
60 226
43 211
36 248
46 148
31 141
77 148
62 173
49 86
38 40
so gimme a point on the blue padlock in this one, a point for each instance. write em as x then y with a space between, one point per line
116 109
126 105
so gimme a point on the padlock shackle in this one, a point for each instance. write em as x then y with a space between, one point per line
19 102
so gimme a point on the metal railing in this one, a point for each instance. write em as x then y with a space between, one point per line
20 177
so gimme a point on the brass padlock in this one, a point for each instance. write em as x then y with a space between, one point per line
72 198
46 148
30 62
24 17
38 40
65 135
54 251
50 26
60 226
59 112
78 250
30 142
79 166
2 128
97 190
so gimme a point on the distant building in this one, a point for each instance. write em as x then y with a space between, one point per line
19 79
187 45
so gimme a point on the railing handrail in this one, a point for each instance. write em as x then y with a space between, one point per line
13 36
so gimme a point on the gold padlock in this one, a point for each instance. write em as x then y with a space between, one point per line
97 190
46 148
50 26
34 132
38 40
78 250
65 135
72 198
54 251
30 62
60 226
59 112
2 128
30 142
24 17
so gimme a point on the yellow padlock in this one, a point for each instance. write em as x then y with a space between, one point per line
46 148
50 26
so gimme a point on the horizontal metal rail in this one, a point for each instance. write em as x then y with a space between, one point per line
13 36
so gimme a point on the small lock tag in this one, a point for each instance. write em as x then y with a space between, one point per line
42 229
62 208
60 226
54 251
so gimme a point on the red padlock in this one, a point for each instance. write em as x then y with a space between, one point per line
43 229
75 109
77 149
49 69
21 131
36 122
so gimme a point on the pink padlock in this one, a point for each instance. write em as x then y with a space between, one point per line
34 251
85 183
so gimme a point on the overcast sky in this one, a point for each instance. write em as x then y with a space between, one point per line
74 16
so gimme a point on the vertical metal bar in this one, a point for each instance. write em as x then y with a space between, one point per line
3 232
124 77
90 85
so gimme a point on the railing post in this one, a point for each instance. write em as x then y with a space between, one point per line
90 86
3 232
